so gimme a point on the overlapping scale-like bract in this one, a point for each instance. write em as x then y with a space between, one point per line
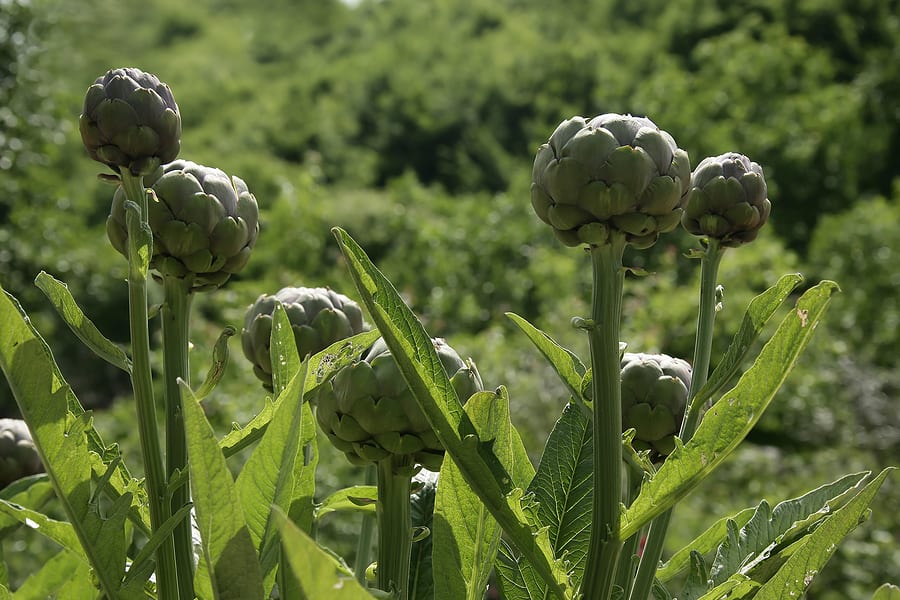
728 200
204 223
319 317
130 120
654 395
614 172
369 413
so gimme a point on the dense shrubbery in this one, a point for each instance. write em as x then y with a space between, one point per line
413 127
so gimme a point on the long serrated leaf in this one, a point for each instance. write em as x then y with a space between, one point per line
563 489
318 573
517 578
418 362
217 368
58 294
44 398
358 498
697 579
887 592
267 478
283 351
231 559
729 421
705 543
64 576
60 532
466 535
566 364
320 366
759 311
807 560
767 526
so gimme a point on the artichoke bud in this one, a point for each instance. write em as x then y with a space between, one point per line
368 411
319 317
18 456
654 396
130 120
728 200
614 173
204 223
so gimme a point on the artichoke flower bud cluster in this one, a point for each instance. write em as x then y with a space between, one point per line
612 173
319 317
204 223
130 121
654 396
368 411
728 200
18 456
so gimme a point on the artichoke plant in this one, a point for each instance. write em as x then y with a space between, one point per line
319 317
654 396
728 200
369 413
204 223
130 120
18 456
612 173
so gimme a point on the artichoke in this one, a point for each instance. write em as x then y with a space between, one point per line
612 173
204 223
368 412
319 317
654 395
18 456
728 200
130 120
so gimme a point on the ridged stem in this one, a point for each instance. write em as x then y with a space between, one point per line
175 314
394 525
142 384
603 334
656 535
366 531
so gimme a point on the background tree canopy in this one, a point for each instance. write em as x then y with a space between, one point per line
413 125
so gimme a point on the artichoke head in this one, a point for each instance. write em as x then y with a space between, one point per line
319 317
369 413
18 456
130 120
204 223
612 173
728 200
654 395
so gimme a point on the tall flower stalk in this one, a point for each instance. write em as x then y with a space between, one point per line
613 181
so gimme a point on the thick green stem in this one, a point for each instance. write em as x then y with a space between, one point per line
175 315
142 383
364 543
394 526
656 535
603 333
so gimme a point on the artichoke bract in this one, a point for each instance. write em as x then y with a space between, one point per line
728 200
204 223
130 120
612 173
654 395
18 456
368 412
319 317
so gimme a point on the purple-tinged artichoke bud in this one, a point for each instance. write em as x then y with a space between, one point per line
319 317
728 200
654 395
612 173
368 411
130 120
204 223
18 456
